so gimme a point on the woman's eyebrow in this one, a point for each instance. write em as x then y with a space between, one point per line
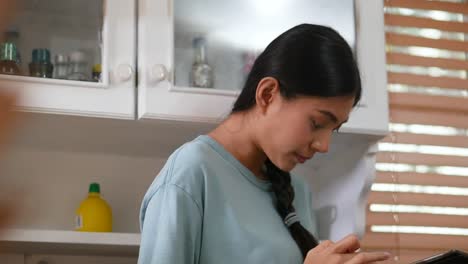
330 115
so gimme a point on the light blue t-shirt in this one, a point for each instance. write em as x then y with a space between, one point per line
205 207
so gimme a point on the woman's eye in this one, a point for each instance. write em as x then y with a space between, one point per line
315 125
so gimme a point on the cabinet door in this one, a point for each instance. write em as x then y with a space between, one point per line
55 44
371 116
12 258
232 33
163 91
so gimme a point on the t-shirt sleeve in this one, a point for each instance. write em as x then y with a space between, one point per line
171 228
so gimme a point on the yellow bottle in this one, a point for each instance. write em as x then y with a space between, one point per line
94 214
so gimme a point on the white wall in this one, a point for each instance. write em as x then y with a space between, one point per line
47 187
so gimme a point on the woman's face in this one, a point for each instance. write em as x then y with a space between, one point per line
292 131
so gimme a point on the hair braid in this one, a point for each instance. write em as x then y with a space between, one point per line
281 185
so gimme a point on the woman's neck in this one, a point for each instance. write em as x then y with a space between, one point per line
236 136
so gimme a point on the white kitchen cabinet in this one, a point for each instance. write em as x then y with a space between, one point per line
158 87
103 31
234 30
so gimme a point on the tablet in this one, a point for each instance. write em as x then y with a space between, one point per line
450 257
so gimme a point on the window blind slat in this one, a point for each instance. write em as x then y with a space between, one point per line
406 40
461 8
443 103
413 219
410 60
418 22
422 179
432 140
422 159
428 81
458 120
419 199
414 241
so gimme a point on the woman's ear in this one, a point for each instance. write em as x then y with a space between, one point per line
267 91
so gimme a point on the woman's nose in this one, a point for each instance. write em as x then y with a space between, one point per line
321 144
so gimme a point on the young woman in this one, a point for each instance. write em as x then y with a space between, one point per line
228 197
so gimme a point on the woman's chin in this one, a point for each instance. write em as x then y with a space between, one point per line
287 166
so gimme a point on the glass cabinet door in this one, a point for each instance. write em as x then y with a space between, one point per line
216 42
72 56
194 55
55 39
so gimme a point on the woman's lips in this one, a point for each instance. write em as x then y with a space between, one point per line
302 159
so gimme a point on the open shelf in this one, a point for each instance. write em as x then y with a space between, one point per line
30 241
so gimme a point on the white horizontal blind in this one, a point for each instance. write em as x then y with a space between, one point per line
419 203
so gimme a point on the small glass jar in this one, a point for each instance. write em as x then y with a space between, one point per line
78 67
8 59
62 64
41 65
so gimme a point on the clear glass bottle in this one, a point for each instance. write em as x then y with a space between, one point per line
8 59
201 74
62 66
78 67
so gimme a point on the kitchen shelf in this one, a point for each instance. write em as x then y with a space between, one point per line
30 241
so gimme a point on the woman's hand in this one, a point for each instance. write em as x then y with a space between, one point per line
343 252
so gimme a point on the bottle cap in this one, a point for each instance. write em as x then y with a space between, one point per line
94 188
198 42
77 56
97 68
60 58
41 56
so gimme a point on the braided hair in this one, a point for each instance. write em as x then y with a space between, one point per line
281 185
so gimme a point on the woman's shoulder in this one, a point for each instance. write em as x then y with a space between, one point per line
183 171
192 155
185 166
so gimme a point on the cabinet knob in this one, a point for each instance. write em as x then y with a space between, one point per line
158 73
123 73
